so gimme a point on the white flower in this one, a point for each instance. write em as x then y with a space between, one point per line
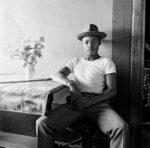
28 51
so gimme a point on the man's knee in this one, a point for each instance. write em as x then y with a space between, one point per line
43 127
123 129
124 126
40 121
41 124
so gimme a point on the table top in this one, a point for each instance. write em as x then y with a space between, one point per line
27 96
33 87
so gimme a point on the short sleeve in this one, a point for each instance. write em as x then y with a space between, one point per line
71 64
109 66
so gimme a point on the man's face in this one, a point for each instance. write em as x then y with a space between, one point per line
91 44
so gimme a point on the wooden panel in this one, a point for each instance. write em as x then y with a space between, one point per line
127 53
121 51
137 65
0 122
18 123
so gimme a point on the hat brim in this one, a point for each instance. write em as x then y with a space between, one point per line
101 35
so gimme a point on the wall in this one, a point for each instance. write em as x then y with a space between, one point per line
59 22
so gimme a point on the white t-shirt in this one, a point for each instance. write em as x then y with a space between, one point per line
89 76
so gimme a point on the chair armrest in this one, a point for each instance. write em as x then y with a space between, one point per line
57 97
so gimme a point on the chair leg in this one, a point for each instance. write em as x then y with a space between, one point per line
86 140
71 143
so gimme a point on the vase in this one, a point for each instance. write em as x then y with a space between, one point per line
30 71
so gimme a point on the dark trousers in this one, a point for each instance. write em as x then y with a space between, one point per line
108 121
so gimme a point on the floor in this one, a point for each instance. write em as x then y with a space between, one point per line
9 140
16 141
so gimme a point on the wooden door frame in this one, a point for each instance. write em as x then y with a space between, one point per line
137 69
128 36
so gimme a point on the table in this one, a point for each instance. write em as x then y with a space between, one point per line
29 97
22 102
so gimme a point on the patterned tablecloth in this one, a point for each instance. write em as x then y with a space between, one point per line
28 97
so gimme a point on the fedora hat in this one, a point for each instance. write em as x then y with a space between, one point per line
91 30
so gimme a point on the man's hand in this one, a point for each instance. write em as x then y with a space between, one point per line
83 102
74 92
74 89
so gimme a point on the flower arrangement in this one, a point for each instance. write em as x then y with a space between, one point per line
28 51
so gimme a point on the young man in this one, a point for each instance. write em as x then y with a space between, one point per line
93 87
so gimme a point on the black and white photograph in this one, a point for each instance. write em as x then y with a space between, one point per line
74 74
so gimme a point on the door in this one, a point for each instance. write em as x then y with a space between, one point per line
128 54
